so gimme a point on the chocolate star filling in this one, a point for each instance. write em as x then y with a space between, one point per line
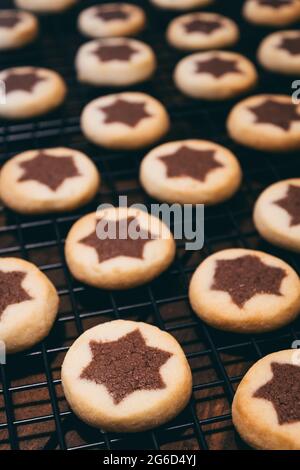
9 19
283 391
244 277
126 365
22 81
274 112
122 52
119 243
11 290
185 161
275 3
291 203
291 45
112 13
49 170
125 112
202 26
217 67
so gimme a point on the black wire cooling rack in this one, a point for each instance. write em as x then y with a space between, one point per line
34 413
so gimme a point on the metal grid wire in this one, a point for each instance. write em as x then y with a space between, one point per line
33 411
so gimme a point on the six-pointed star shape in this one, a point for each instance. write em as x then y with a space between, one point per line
217 66
291 45
291 203
274 3
125 112
186 161
202 26
49 170
22 81
11 290
122 52
126 365
283 391
244 277
111 14
277 113
115 245
9 20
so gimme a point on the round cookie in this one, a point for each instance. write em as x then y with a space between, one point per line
128 120
45 6
111 19
277 214
115 62
272 12
48 180
280 52
190 172
126 376
30 91
266 407
17 29
215 75
28 304
118 248
202 31
181 4
245 291
266 122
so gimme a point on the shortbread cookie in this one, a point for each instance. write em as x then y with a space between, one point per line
125 120
30 91
266 406
280 52
111 19
266 122
119 248
28 304
215 75
190 172
45 6
181 4
202 31
245 291
272 12
126 376
115 62
277 214
17 29
48 180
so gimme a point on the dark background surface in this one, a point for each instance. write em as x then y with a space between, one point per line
33 411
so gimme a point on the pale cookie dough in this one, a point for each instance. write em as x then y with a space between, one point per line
280 52
245 291
30 91
111 19
202 31
45 6
17 29
181 4
128 120
272 12
215 75
190 172
115 62
126 376
28 304
137 248
48 180
266 406
277 214
266 122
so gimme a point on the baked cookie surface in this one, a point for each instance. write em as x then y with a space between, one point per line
48 180
126 376
280 52
190 172
272 12
45 6
266 407
17 29
245 291
181 4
